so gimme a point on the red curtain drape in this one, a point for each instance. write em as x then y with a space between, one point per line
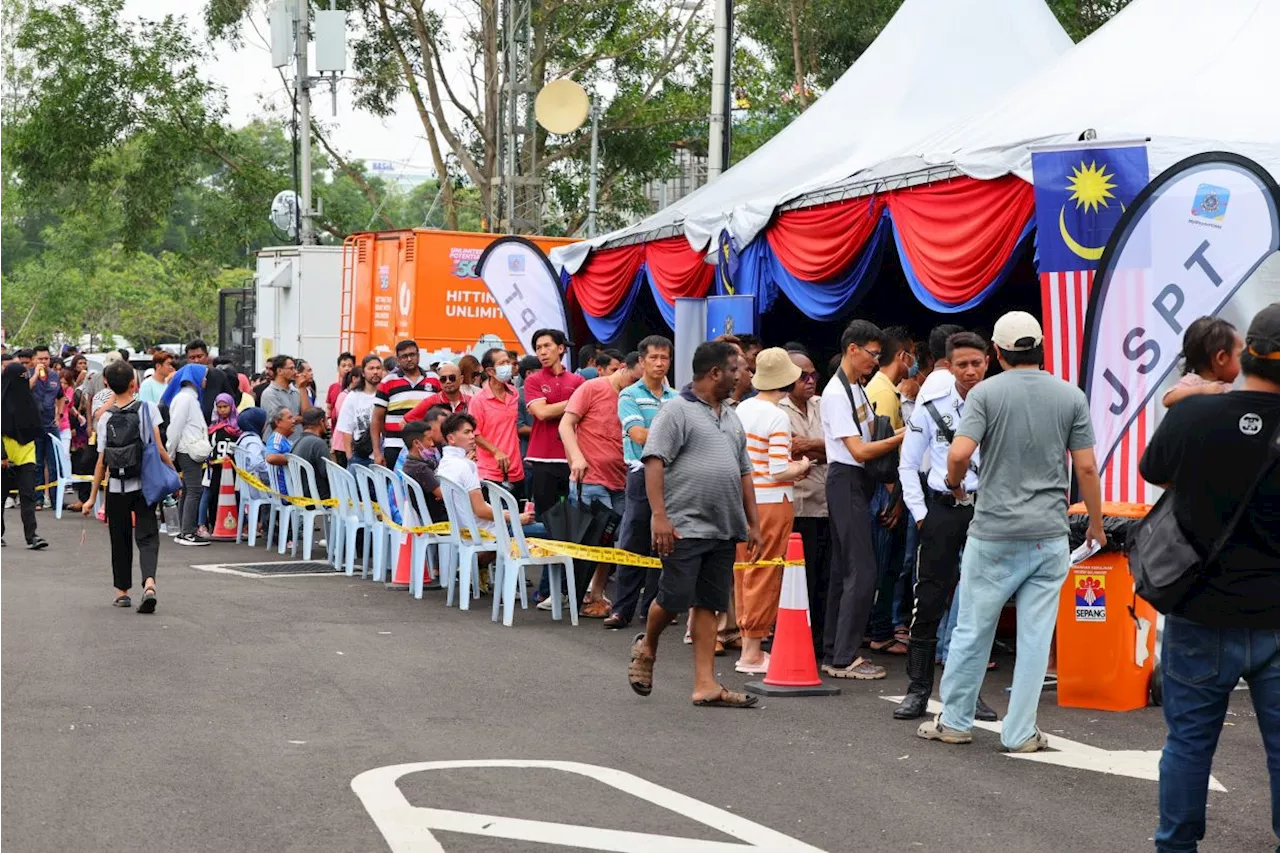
676 269
819 243
602 281
958 234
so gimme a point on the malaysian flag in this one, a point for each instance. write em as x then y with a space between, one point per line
1080 195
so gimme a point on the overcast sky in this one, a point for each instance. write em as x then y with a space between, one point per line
250 81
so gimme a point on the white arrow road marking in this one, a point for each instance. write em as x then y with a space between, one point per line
407 828
1134 763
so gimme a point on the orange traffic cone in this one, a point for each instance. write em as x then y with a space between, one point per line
793 670
226 519
400 578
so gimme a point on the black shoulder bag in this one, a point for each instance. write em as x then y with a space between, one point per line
1165 564
882 469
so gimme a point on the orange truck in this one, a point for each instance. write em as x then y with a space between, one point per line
422 285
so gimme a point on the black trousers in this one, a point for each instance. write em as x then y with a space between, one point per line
121 509
391 454
816 533
22 479
548 484
634 535
852 588
942 537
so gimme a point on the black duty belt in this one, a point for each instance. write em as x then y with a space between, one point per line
948 499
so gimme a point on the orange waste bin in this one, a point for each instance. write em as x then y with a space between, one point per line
1106 634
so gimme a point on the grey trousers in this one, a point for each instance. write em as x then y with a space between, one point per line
192 471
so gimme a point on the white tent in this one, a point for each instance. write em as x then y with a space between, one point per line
934 63
1189 75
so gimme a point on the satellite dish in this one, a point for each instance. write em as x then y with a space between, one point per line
562 106
284 212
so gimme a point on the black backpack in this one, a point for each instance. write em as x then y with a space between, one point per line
122 445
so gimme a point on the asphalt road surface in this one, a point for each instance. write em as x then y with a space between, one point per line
237 717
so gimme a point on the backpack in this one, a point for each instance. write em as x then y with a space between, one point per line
122 448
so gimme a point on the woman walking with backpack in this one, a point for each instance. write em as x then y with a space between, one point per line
20 422
120 451
188 444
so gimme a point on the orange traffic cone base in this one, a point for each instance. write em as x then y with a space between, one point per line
400 577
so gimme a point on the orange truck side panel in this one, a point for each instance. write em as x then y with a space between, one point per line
425 285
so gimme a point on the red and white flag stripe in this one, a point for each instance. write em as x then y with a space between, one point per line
1065 303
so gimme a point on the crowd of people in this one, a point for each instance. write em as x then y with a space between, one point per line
928 479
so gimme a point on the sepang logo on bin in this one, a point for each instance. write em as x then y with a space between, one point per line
1091 598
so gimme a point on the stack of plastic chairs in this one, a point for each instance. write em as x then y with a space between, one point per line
374 529
420 560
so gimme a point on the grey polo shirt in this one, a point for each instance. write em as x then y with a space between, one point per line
274 397
706 458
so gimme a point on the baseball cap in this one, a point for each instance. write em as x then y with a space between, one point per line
1263 339
1017 331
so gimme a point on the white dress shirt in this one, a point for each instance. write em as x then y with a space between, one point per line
840 421
924 442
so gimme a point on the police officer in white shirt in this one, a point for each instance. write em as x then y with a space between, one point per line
942 521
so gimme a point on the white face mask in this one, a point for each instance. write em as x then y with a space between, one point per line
503 372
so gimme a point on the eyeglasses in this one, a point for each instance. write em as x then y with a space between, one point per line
874 353
809 376
453 378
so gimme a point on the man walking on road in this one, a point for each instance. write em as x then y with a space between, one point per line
698 479
1210 449
1026 421
846 428
638 405
943 521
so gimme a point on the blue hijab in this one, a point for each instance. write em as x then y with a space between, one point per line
192 374
254 420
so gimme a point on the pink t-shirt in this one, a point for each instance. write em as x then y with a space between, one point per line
544 441
600 432
496 421
1195 380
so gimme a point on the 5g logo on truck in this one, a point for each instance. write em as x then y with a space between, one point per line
466 268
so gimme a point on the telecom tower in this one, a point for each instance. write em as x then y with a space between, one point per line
519 189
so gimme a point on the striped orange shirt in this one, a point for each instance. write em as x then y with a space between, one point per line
768 431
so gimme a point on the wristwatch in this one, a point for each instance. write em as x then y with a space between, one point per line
950 486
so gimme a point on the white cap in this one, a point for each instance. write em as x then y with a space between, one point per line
1017 331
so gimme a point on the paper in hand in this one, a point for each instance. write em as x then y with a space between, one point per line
1085 551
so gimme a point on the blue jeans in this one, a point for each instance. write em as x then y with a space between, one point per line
889 552
44 456
991 572
1200 667
590 492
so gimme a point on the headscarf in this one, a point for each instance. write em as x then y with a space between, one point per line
192 374
230 424
252 420
18 409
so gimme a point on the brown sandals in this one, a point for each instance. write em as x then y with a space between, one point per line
727 699
640 670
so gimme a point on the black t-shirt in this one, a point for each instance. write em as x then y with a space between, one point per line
314 450
424 474
1210 448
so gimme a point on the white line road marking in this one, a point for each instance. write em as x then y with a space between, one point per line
1134 763
407 828
221 569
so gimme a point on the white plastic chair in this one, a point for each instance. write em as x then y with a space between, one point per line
420 560
251 502
465 570
513 562
386 540
62 471
302 519
367 496
344 519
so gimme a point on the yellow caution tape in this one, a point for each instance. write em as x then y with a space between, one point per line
619 557
296 500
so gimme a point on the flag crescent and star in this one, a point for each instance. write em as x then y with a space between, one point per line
1090 188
